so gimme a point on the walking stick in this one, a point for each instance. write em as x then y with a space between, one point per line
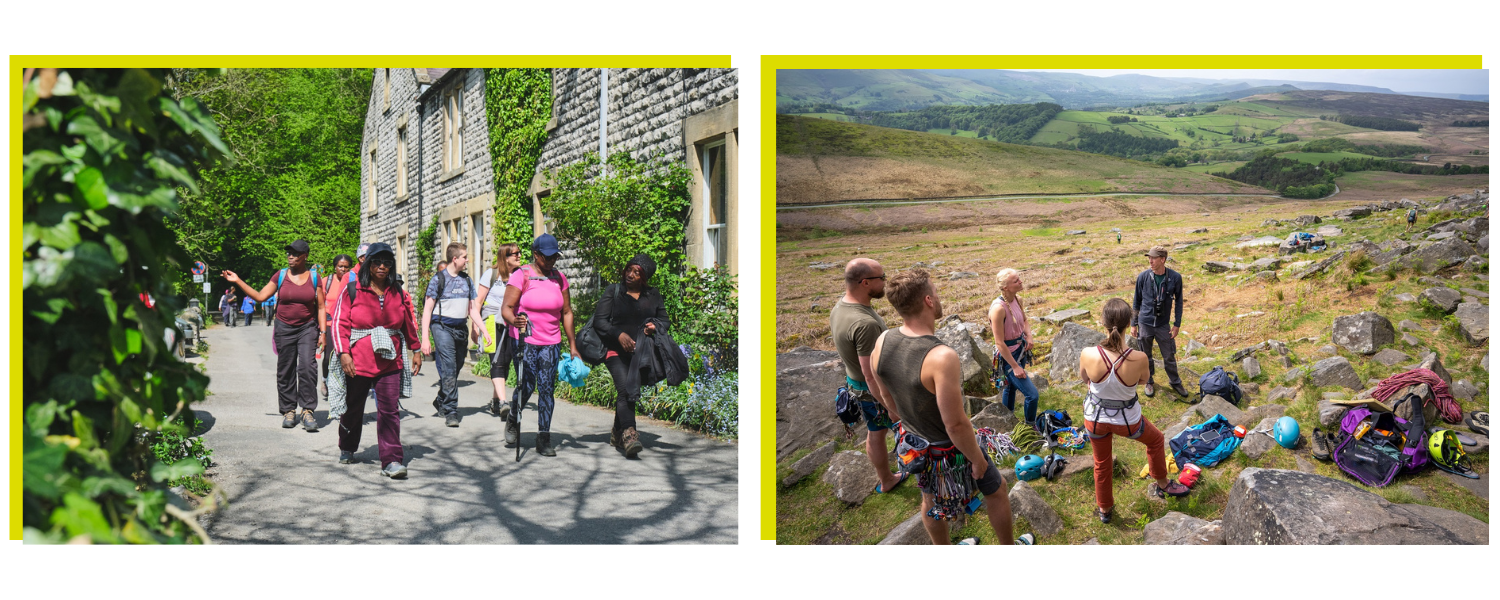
515 395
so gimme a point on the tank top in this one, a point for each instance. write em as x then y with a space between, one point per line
1015 322
296 304
900 370
1111 388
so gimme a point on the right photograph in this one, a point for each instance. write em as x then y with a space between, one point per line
1170 307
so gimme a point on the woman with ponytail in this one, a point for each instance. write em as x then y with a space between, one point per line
1112 371
1008 322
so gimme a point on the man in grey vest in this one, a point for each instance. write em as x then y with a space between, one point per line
855 326
923 378
1158 303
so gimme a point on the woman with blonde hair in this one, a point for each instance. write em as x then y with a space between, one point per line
492 288
1112 371
1008 323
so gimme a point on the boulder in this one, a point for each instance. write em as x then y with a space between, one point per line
1218 266
1266 277
1070 341
1190 347
1473 322
1445 298
995 416
1390 357
1319 267
1305 220
1064 316
1244 352
1025 502
1476 264
962 275
1076 232
1330 415
1251 367
1269 240
1330 231
1364 332
1409 325
808 464
852 476
1404 297
1275 506
1177 529
1353 213
1257 444
1436 257
1335 371
1432 362
806 381
974 404
973 353
1266 411
1438 237
1406 410
1464 390
1410 340
1269 263
1281 393
1214 405
1385 257
909 533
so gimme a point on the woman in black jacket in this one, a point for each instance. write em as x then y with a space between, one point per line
626 311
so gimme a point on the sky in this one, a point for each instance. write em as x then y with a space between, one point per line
1453 81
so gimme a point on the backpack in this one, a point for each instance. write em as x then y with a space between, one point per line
1050 421
443 282
590 345
1376 446
281 276
1221 383
1205 444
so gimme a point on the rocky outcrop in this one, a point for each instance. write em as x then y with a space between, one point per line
1335 371
1473 322
852 476
1438 256
1065 348
1025 502
806 381
1214 266
808 464
1318 267
909 532
1274 506
973 352
1363 333
1177 529
1432 362
995 416
1390 357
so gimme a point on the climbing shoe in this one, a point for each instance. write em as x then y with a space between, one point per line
1150 390
969 541
289 420
544 444
1173 489
630 442
309 423
1104 515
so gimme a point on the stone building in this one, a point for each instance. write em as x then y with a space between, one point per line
426 153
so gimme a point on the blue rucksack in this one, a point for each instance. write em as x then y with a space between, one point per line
1205 444
1220 383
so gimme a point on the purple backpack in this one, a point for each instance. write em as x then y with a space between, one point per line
1385 446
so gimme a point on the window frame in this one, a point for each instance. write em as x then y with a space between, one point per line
717 251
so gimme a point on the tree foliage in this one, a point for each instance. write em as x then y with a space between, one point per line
1011 123
610 214
518 104
296 136
1121 144
105 153
1381 123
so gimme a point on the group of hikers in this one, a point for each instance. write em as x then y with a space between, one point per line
362 314
231 306
908 382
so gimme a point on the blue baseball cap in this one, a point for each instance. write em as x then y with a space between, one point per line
545 245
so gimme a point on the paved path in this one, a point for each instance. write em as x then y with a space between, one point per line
464 487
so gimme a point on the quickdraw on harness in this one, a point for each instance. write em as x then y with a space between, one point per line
998 366
944 472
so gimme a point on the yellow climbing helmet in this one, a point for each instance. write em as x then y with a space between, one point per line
1447 452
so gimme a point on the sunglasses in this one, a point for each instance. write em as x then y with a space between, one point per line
880 277
387 263
516 253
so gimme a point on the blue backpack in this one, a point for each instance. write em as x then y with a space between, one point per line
1206 444
281 276
1220 383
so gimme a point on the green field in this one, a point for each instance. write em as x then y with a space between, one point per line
1318 157
1215 131
961 133
829 116
1218 167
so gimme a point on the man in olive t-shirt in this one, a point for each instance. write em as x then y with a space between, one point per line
855 327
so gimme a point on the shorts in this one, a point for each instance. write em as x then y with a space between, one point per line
876 417
500 361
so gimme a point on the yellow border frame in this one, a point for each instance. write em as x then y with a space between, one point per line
769 65
19 62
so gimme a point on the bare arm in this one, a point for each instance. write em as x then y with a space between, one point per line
567 320
476 322
941 370
260 296
427 325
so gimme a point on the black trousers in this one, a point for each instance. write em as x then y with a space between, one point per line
627 389
1162 336
296 366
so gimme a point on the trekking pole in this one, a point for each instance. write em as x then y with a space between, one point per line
515 395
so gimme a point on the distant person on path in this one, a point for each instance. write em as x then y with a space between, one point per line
626 311
1112 371
247 308
855 326
923 378
1008 322
537 301
1118 237
1411 217
332 287
227 304
492 285
370 334
300 325
450 298
1158 295
269 308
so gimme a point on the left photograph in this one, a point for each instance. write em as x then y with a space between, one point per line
380 305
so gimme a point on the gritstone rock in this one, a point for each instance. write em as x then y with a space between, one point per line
1363 333
1404 297
1269 240
1281 393
995 416
1274 506
1269 263
1025 502
1177 529
1217 266
852 476
1076 232
1475 263
1266 411
1065 348
1242 353
1410 340
1474 322
1064 316
806 381
808 464
1335 371
1465 390
1408 325
1390 357
1319 266
1330 414
1214 405
1432 362
1406 410
1257 444
909 532
1438 256
1251 367
1305 220
973 353
1443 297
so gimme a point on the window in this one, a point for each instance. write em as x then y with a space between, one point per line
401 163
476 241
401 255
374 177
386 95
716 209
453 129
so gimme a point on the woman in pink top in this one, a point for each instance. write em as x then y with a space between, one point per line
1008 323
537 303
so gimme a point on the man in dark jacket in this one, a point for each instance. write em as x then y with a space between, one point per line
1158 295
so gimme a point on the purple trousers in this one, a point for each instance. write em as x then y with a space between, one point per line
387 419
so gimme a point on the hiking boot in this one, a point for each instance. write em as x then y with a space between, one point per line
437 405
630 441
544 444
1150 390
309 423
614 437
394 471
1181 391
1104 515
289 420
494 407
1319 444
502 409
346 457
1026 539
512 433
452 420
1173 489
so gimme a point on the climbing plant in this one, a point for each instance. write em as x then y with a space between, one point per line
426 253
518 104
105 152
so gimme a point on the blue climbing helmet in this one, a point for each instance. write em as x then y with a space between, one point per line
1029 467
1286 431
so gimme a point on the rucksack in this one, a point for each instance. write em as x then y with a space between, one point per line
1221 383
1052 420
1376 446
281 276
1205 444
443 282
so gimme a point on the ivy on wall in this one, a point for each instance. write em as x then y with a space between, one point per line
518 104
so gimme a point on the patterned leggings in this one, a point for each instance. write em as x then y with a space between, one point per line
538 372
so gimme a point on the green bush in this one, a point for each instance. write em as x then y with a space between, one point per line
174 445
608 213
706 403
105 152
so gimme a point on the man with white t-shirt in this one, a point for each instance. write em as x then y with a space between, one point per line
451 301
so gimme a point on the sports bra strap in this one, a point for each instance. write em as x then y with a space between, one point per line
1111 366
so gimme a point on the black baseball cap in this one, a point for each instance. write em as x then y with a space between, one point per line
297 247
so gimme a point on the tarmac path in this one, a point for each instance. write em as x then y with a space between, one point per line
285 486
